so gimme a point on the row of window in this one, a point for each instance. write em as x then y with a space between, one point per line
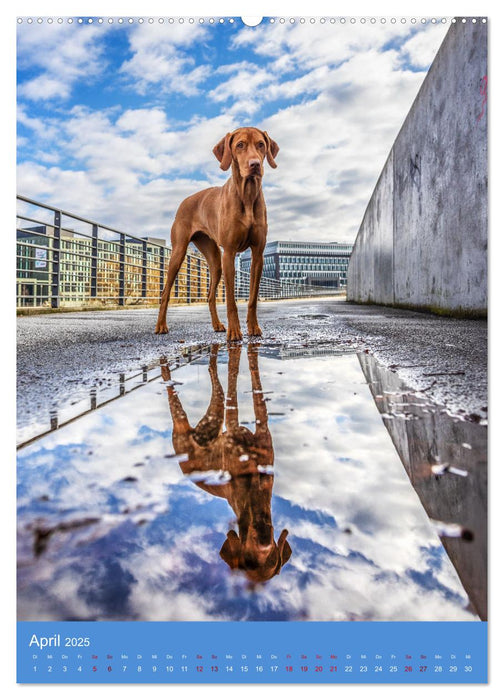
310 266
285 247
304 259
313 273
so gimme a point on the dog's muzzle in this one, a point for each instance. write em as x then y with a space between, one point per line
254 166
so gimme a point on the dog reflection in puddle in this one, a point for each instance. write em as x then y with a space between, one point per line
228 460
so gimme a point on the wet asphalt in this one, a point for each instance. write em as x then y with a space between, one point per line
62 356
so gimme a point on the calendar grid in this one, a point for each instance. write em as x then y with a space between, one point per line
252 652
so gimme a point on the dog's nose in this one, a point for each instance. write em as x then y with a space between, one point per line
254 163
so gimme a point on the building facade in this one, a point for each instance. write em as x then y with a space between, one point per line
60 267
314 263
94 270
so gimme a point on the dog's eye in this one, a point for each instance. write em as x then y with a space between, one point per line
240 145
260 144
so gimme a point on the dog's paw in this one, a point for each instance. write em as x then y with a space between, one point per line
161 328
220 328
234 334
254 330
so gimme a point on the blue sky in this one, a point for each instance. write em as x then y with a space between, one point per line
118 123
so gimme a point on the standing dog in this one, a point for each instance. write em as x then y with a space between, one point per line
231 218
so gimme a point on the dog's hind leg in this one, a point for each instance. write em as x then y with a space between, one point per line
179 248
213 257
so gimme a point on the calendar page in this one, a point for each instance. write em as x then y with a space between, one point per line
251 292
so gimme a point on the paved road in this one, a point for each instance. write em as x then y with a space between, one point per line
61 356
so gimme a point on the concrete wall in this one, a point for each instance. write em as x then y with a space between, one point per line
423 241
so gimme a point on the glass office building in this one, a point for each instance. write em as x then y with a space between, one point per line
318 264
93 276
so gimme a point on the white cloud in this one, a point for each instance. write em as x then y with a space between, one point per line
62 55
242 84
65 188
312 45
162 56
45 88
418 49
43 129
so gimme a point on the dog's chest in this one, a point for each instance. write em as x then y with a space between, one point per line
247 220
249 231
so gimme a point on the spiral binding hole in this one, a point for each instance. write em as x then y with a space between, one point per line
247 21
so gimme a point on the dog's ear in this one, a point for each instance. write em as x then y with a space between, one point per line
272 149
284 548
231 550
222 151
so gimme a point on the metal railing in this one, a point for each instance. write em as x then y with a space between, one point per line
65 260
98 397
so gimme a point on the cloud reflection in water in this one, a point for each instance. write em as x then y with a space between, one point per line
127 536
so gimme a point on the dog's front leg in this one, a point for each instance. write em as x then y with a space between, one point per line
228 266
255 278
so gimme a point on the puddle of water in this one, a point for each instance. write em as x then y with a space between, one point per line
259 484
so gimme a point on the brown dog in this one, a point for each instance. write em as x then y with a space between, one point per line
231 218
219 444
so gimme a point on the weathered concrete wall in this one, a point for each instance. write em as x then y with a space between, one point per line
423 240
373 276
